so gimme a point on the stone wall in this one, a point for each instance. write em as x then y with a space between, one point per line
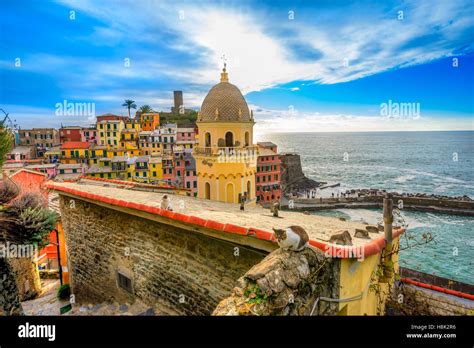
411 300
286 283
178 269
27 277
9 296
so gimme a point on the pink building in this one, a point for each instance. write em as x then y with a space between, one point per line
169 174
70 171
50 169
89 135
186 137
21 153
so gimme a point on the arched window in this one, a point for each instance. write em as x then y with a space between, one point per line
208 139
207 190
229 139
247 139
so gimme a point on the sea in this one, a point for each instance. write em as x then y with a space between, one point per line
414 162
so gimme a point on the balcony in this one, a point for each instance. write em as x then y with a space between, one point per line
216 150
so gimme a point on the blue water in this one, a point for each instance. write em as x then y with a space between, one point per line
427 162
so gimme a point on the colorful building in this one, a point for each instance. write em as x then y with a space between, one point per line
42 138
70 171
226 156
89 134
70 133
268 177
75 152
21 153
142 169
149 143
110 132
53 155
50 169
186 137
168 137
156 169
149 121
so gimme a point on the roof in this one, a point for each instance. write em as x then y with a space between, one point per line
70 127
21 150
143 159
255 223
23 170
75 145
70 166
266 144
17 164
98 169
53 150
266 152
68 177
224 103
186 130
116 159
48 165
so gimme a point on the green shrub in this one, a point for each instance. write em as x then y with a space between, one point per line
64 292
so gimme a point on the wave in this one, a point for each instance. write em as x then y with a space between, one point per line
404 178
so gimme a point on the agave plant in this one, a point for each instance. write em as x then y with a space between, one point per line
23 220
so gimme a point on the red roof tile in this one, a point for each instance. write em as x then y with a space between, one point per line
75 145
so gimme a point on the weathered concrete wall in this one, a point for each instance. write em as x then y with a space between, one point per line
27 277
181 270
286 283
411 300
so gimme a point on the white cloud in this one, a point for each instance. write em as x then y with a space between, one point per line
258 58
269 121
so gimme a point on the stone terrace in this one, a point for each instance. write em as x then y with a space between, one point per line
319 228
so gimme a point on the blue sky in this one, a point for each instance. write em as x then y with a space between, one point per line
303 66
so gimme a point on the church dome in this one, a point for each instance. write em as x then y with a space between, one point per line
224 103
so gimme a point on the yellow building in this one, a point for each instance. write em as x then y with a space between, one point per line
225 156
156 169
73 152
117 167
110 132
96 152
129 137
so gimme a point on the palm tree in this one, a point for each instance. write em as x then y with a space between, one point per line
145 109
129 104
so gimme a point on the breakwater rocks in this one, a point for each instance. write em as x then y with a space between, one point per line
292 176
369 198
376 192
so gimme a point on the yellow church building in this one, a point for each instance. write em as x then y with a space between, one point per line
225 156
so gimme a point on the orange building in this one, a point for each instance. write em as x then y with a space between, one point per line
33 181
30 181
149 121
